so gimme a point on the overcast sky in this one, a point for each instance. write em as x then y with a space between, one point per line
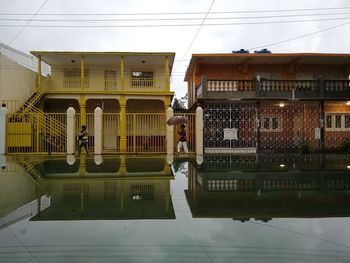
236 30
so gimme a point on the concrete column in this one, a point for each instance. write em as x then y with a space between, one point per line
167 74
82 73
199 131
123 143
122 73
98 130
70 159
3 112
71 130
82 105
98 159
39 71
169 133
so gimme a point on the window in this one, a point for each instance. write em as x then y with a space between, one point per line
142 79
274 123
329 121
338 121
271 123
347 121
266 123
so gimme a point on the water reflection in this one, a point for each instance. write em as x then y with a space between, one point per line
263 187
123 187
241 187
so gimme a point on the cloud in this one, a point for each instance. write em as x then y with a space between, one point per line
210 39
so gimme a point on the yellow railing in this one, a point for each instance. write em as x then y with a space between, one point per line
111 132
146 132
75 83
37 94
102 84
110 84
142 82
36 132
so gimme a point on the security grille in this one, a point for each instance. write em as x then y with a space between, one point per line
290 126
229 126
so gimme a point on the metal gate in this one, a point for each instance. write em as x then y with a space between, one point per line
230 127
146 132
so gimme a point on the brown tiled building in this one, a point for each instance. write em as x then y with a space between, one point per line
271 101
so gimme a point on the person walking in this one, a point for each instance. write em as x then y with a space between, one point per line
182 139
83 140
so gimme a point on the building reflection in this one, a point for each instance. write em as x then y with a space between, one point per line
18 193
123 187
263 187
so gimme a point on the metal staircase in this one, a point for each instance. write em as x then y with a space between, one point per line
52 131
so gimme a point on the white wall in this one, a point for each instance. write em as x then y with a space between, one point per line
16 81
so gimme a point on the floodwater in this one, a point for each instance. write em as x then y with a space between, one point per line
216 208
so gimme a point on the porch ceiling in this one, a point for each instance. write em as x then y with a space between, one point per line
103 58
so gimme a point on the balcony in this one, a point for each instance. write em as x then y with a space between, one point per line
103 85
273 89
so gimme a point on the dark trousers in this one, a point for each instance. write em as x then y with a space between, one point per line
83 143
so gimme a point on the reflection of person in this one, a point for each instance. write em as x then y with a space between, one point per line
83 139
182 139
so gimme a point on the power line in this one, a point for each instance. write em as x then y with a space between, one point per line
301 36
177 13
179 25
170 19
195 36
26 25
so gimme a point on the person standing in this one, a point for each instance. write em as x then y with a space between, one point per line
83 140
182 139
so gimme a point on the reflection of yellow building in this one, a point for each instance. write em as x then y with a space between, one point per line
118 188
19 194
268 186
133 90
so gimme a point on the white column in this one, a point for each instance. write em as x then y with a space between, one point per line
3 112
98 130
169 133
199 131
71 130
98 159
70 159
170 158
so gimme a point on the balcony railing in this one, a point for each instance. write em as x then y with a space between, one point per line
102 84
75 83
285 89
142 82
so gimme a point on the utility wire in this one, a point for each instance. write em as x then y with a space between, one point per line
180 25
170 19
178 13
301 36
24 27
195 36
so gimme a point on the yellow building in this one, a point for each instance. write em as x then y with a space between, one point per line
133 90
